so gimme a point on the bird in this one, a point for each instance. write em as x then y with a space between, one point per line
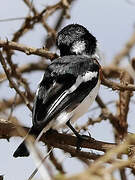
69 85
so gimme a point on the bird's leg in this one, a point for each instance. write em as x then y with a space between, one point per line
72 129
79 136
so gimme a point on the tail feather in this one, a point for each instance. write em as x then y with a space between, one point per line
21 151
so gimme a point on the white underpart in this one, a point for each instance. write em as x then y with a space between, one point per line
78 111
62 119
59 122
78 47
86 103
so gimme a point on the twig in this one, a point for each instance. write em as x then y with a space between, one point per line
123 104
55 162
27 50
49 41
42 161
12 107
112 153
5 104
107 114
117 86
31 21
13 83
26 68
8 129
79 154
31 6
12 19
125 51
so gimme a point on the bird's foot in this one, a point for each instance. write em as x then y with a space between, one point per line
79 136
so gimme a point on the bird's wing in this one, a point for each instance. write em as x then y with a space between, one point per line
66 82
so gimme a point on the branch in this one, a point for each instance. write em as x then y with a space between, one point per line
107 114
26 68
12 83
123 104
27 50
8 129
125 51
117 86
31 21
54 160
5 104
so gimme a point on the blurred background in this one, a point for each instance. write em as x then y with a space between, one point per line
112 23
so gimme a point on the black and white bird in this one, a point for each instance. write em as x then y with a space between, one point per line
70 83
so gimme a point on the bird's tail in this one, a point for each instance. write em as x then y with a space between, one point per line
21 151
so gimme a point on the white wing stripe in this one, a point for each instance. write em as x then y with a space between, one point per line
86 77
89 75
56 102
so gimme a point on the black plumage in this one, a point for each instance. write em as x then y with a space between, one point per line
59 77
75 33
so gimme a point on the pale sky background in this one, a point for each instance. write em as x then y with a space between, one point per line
112 22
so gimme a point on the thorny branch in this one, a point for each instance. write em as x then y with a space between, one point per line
8 129
27 50
125 51
12 83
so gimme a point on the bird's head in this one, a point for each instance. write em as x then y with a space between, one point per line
75 39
